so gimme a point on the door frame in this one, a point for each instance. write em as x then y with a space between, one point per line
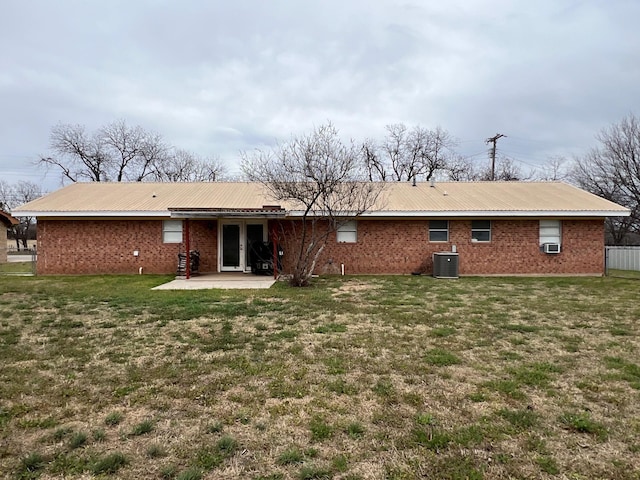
240 267
243 267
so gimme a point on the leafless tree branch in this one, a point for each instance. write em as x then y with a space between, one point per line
320 177
119 152
408 154
612 170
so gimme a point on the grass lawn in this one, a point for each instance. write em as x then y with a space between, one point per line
352 378
16 268
624 273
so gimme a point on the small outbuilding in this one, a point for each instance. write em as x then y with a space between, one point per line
6 222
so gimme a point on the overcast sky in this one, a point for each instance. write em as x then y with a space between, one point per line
217 77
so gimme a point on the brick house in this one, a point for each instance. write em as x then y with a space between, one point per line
521 228
6 222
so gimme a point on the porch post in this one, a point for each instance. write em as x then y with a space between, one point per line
188 247
275 251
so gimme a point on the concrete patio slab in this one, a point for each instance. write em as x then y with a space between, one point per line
218 280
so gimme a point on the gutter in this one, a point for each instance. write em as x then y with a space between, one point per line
479 213
259 213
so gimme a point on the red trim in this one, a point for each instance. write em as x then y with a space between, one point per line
188 247
275 252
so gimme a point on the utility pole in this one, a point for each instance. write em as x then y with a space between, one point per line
494 140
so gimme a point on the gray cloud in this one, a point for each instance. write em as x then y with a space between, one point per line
219 77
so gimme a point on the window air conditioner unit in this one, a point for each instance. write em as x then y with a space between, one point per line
551 248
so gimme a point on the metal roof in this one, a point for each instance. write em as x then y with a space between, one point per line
397 200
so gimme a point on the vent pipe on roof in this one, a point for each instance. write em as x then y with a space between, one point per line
433 182
414 181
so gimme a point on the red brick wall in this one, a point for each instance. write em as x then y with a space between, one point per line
107 246
383 246
204 238
402 247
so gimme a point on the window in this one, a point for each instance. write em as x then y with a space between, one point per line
347 232
550 231
171 231
438 230
481 230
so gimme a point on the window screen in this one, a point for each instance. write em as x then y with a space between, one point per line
347 232
438 230
172 231
481 230
550 231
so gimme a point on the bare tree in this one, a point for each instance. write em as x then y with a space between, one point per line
132 151
373 161
505 170
408 154
460 169
79 156
12 196
184 166
554 169
211 169
6 195
119 152
393 149
612 171
153 154
321 178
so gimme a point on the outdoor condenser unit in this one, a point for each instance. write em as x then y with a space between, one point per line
445 265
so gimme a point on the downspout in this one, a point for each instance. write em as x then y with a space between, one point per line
188 247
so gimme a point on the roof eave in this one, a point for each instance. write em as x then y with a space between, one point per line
486 213
299 213
228 214
94 213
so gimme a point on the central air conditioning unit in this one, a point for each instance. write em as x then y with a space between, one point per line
551 248
445 265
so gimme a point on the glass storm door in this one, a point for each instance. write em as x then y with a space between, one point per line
255 234
232 248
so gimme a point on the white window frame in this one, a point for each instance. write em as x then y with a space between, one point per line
439 230
347 232
172 231
479 230
550 231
